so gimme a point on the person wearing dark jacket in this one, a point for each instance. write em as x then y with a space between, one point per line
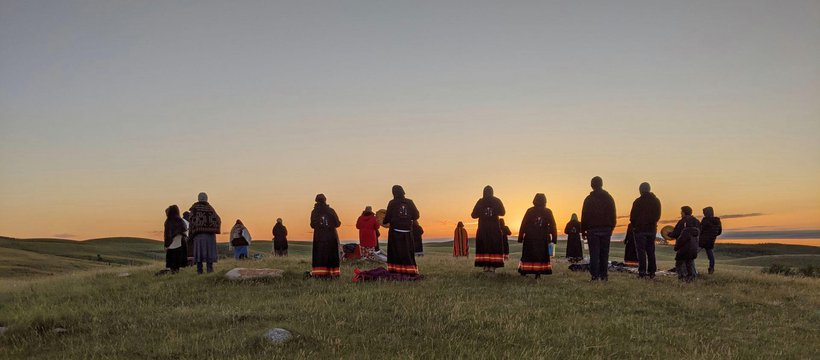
630 253
505 230
537 231
400 215
598 219
710 229
176 248
686 235
489 250
324 222
418 246
644 217
280 238
575 249
205 224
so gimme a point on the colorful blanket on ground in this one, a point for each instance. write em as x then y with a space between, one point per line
615 266
381 273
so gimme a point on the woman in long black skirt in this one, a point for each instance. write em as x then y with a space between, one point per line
400 215
630 252
176 249
324 222
575 249
537 230
489 249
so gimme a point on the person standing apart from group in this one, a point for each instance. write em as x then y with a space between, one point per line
537 231
280 238
205 224
367 225
324 222
598 219
240 240
644 217
489 251
710 229
575 249
461 246
400 214
176 253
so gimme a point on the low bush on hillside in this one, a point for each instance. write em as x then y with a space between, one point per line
808 271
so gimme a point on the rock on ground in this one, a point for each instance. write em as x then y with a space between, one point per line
278 335
244 273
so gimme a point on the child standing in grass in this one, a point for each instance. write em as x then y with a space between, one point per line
686 235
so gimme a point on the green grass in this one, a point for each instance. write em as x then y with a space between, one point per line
456 312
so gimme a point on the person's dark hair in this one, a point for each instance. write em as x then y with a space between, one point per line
597 182
686 210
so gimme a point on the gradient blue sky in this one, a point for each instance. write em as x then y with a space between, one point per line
111 110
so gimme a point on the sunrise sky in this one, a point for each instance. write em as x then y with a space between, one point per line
112 110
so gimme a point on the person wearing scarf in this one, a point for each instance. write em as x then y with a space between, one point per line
205 224
460 245
324 222
489 250
176 249
537 231
400 214
280 239
240 240
575 249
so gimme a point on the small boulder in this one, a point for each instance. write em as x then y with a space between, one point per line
244 273
125 274
3 329
59 330
278 335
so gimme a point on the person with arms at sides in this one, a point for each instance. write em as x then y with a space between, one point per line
537 231
240 240
575 249
505 241
710 229
368 225
418 246
598 219
460 241
324 222
489 251
401 212
280 238
630 254
644 217
205 224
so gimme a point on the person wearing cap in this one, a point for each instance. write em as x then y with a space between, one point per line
367 225
205 224
324 222
644 217
598 219
280 238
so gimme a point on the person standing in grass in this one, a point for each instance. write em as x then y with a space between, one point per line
176 249
505 241
240 240
368 225
710 229
575 249
489 251
644 217
189 241
686 234
418 246
537 231
205 224
630 252
280 238
460 241
401 212
324 222
598 219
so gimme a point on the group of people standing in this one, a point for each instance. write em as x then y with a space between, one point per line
192 239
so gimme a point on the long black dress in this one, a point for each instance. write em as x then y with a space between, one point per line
538 229
489 247
505 242
575 249
630 251
400 215
417 243
324 221
280 239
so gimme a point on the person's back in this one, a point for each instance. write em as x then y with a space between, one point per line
280 239
710 229
204 225
598 219
686 234
367 224
643 220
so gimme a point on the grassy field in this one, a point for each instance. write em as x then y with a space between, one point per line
456 312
